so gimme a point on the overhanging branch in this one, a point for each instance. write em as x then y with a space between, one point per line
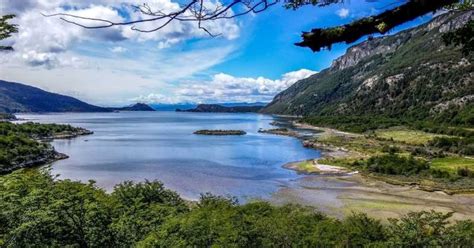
319 38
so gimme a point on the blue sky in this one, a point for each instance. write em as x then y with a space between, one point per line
253 59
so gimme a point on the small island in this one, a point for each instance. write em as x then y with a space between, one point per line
279 131
220 132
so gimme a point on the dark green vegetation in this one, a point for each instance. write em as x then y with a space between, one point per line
20 146
220 132
135 107
6 30
320 38
393 164
462 37
7 117
407 77
15 97
461 146
216 108
37 210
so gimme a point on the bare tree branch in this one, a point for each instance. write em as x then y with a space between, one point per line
194 11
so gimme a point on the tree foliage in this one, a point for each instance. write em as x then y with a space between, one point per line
37 210
20 145
320 38
462 37
7 29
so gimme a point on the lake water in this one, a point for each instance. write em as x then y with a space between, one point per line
161 146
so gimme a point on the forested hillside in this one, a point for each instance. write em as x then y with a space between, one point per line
15 97
411 75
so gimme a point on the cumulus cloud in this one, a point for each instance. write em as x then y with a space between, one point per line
343 13
227 88
41 40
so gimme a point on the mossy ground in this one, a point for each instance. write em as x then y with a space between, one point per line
407 136
452 163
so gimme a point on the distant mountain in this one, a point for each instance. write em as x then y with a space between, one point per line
215 108
15 97
184 106
135 107
411 75
241 104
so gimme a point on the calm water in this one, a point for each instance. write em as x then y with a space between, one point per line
161 145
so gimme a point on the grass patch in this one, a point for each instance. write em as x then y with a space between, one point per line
410 137
341 162
360 143
451 164
307 167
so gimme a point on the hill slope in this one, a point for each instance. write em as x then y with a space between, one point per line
15 97
411 74
135 107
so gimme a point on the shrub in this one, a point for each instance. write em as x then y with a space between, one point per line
393 164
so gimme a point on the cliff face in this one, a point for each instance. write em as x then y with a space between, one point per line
411 73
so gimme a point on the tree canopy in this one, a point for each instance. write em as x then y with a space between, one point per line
7 29
39 210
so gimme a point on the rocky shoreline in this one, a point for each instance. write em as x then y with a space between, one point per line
50 156
67 135
44 153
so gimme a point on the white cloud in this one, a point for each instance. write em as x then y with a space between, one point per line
107 66
118 49
40 39
226 88
343 13
112 81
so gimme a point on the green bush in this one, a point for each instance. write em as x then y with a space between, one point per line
465 172
393 164
462 146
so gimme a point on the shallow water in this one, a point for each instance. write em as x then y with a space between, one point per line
161 146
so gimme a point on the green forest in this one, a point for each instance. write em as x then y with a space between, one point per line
39 211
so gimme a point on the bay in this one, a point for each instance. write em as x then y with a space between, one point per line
161 146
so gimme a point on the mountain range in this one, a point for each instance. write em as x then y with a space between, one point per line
15 97
411 74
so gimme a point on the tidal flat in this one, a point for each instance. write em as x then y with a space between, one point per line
341 195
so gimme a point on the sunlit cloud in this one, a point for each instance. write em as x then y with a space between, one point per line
227 88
